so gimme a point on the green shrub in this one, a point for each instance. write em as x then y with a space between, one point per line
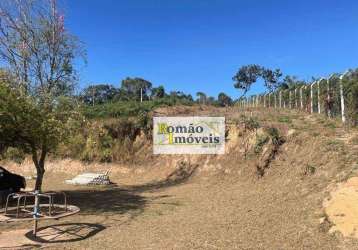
73 147
284 119
330 125
89 153
251 124
309 170
260 142
98 145
334 145
122 128
14 154
274 135
124 109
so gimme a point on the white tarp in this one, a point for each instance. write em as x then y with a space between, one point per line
90 178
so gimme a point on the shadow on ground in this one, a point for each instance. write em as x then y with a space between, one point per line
107 200
126 199
179 176
61 233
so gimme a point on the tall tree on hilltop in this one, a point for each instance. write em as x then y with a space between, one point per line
224 100
99 94
136 88
249 74
201 97
158 92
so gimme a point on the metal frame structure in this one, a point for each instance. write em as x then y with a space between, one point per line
26 212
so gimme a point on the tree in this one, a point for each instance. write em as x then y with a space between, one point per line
182 96
224 100
99 94
246 76
158 92
291 82
201 97
136 88
211 100
25 125
249 74
271 78
39 53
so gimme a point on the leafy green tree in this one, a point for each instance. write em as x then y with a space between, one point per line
99 94
211 100
224 100
39 54
184 97
158 92
26 125
271 78
136 88
246 76
291 82
249 74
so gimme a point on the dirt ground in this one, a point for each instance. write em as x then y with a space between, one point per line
222 205
342 208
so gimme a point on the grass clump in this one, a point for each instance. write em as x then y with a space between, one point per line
334 145
331 125
275 135
261 140
251 124
284 119
309 170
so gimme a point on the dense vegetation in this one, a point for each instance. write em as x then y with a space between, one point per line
137 95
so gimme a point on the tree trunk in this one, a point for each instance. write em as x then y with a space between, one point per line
40 166
39 178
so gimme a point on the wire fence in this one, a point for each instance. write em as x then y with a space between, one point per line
336 96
